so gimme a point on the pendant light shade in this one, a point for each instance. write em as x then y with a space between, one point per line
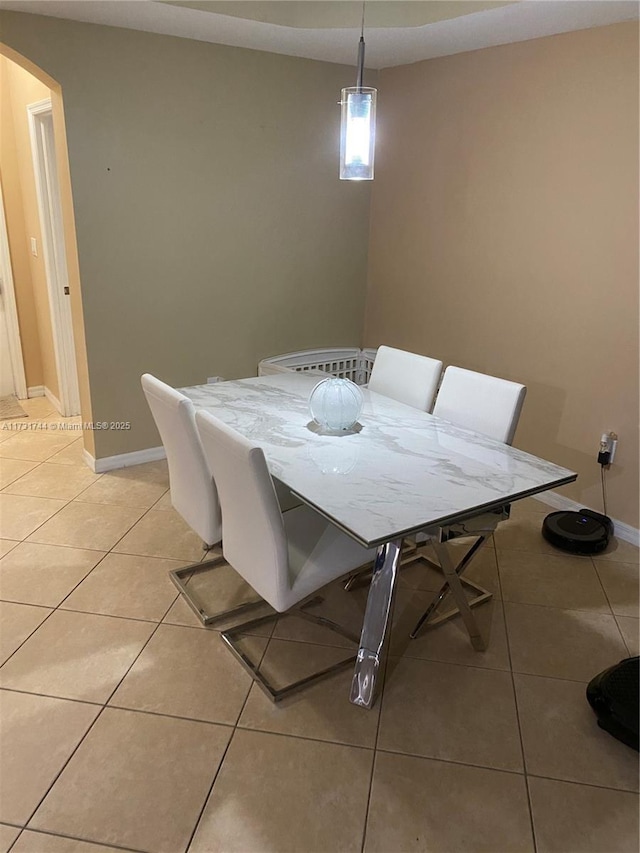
357 133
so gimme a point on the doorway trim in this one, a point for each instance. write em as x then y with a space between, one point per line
40 117
8 297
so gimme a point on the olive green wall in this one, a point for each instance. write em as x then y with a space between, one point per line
212 228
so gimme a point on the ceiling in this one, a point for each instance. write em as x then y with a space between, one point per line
396 32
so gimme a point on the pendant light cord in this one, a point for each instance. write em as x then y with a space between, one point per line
361 52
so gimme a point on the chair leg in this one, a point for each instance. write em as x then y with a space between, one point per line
455 586
180 578
278 694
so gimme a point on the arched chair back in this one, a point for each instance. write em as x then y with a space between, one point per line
480 402
406 377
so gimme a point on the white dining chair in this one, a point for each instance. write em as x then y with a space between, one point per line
480 402
193 491
492 407
406 377
286 557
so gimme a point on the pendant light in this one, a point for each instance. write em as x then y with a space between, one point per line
358 125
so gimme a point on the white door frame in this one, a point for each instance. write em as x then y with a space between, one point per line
8 297
53 250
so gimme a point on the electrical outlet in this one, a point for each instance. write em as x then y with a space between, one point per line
607 448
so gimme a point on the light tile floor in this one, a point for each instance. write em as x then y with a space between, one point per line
126 725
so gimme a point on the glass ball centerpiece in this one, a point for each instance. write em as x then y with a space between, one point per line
335 404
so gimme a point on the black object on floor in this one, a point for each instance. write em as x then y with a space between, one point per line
613 695
581 532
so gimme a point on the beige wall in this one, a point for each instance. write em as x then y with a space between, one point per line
17 89
504 236
212 228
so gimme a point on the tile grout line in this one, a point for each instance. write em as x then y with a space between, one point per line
224 754
168 716
564 609
624 639
381 700
487 668
133 662
28 637
4 689
112 615
3 490
307 738
458 763
20 831
74 838
60 771
208 794
49 545
604 590
517 710
91 570
585 784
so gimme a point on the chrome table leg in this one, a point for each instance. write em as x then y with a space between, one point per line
437 601
377 616
483 594
455 585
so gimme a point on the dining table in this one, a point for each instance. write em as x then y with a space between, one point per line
396 473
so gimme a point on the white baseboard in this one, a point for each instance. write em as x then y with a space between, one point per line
621 530
123 460
51 397
43 391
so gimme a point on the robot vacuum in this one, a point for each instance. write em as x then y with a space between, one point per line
581 532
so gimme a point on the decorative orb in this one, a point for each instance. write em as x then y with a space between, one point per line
335 404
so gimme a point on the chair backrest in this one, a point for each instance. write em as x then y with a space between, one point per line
406 377
255 542
193 491
480 402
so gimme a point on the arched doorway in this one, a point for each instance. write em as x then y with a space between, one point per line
43 316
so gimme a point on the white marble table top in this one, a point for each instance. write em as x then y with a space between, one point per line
402 472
